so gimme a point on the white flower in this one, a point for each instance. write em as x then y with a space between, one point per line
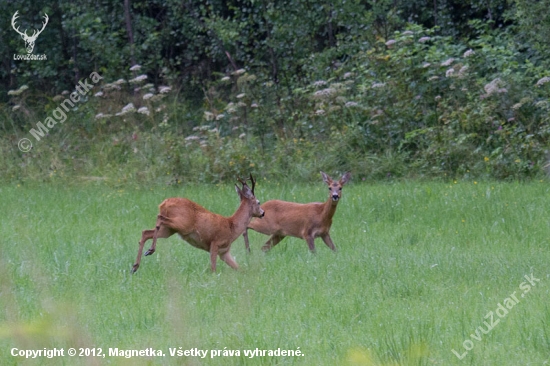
18 91
541 104
165 89
98 94
138 79
390 42
468 53
111 86
493 86
148 96
230 108
128 108
319 112
65 92
424 39
239 72
241 95
58 98
448 62
226 78
254 105
242 135
144 110
347 75
220 116
462 71
319 83
120 81
517 106
351 104
99 115
426 64
157 97
449 73
543 81
408 33
135 68
15 107
324 93
191 138
208 116
378 85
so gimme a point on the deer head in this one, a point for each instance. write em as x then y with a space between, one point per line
29 40
248 193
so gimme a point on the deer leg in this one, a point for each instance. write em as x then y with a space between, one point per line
246 242
328 241
310 243
274 240
228 258
161 231
145 235
213 255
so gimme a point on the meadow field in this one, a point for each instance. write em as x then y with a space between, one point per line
447 273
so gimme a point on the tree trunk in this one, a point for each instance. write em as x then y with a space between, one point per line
129 30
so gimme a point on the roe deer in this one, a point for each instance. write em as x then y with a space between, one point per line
306 221
202 228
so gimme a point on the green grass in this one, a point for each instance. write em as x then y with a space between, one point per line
418 268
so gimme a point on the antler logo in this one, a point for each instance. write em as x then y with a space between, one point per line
29 41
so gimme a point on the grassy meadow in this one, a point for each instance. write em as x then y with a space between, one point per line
419 268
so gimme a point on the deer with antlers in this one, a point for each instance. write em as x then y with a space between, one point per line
29 40
306 221
201 228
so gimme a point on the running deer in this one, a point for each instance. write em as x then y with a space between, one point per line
306 221
201 228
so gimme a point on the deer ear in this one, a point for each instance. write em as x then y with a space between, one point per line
326 178
345 178
247 192
239 192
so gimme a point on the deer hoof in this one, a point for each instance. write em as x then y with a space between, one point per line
135 268
266 248
149 252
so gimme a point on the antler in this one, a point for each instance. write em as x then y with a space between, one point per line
253 182
243 182
13 19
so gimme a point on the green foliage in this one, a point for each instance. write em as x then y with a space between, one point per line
286 88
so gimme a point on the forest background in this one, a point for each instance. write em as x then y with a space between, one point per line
201 91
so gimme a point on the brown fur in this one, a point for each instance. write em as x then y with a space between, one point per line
306 221
201 228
